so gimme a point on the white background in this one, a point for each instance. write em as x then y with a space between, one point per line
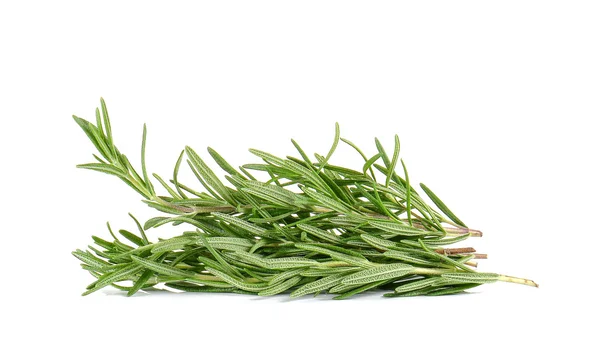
495 103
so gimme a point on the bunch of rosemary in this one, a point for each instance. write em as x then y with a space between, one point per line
310 227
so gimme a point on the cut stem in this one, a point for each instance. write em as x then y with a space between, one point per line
515 280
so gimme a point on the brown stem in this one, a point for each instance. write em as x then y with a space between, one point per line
455 251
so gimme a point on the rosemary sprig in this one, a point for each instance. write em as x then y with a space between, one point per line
309 227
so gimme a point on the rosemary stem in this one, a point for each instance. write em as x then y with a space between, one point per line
521 281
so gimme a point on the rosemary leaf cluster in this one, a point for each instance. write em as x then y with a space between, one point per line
310 227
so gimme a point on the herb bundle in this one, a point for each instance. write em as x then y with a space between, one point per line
309 227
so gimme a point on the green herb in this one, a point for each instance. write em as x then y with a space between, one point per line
307 227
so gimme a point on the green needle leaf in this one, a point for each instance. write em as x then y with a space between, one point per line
378 243
146 275
195 288
94 136
318 285
209 175
417 285
327 202
359 289
408 194
404 257
383 272
319 233
237 283
132 237
357 261
280 287
441 205
176 174
285 275
392 166
303 154
118 275
144 170
89 259
369 163
108 169
245 225
336 140
108 129
397 228
476 278
289 262
222 162
452 290
446 241
140 229
162 268
172 244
